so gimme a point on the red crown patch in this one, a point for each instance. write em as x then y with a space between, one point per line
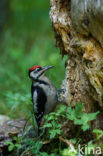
34 67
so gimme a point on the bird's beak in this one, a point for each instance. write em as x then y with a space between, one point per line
46 68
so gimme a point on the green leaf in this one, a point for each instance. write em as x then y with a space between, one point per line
98 132
85 127
44 154
73 140
70 114
52 134
51 116
18 145
69 110
47 125
92 116
61 109
78 109
11 147
15 138
78 122
8 142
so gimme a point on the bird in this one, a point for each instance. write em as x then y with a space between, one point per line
43 92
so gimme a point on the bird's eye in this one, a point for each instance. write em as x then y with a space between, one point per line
37 69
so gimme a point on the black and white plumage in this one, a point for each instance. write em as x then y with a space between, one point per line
39 100
44 93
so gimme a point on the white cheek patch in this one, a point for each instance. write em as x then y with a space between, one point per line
33 75
35 101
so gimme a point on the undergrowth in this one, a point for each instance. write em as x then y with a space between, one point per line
62 133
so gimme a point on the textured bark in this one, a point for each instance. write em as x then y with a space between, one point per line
8 130
75 32
11 129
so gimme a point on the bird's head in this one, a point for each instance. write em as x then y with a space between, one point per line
37 71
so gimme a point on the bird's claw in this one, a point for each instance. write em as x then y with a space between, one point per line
60 93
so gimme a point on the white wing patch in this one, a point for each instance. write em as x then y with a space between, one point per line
35 101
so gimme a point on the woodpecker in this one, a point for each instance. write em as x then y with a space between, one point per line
44 93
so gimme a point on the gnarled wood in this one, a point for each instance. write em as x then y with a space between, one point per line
75 32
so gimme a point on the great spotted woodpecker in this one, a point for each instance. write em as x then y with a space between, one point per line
44 93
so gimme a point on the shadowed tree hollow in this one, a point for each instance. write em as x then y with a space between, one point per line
78 28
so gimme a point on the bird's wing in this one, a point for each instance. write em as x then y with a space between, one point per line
39 100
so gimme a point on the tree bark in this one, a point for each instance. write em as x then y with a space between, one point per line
8 130
79 35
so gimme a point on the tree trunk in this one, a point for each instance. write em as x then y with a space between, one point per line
78 28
